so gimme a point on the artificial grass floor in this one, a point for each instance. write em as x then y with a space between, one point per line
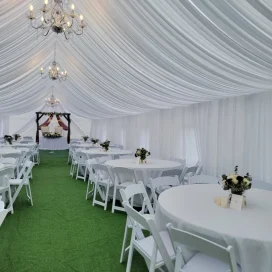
62 231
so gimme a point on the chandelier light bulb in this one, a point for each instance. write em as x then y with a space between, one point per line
31 8
46 2
42 19
81 17
41 69
57 68
73 7
68 24
49 67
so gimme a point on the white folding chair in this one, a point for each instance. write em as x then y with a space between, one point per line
103 159
203 179
130 195
91 178
211 258
156 249
36 155
81 159
23 180
186 173
158 185
5 174
123 177
102 185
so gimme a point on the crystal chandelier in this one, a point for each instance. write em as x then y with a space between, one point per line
54 70
52 101
57 19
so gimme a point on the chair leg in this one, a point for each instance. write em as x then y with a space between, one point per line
130 255
94 196
10 201
77 171
106 198
114 199
85 173
124 243
29 194
87 193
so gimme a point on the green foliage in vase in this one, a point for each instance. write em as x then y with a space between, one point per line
142 153
105 145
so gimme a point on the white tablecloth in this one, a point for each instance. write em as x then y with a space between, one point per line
1 166
9 150
192 208
111 152
53 144
145 171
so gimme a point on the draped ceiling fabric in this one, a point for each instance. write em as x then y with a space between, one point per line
137 56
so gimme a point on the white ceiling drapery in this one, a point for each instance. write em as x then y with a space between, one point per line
137 56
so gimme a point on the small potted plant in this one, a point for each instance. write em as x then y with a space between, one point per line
142 153
8 139
105 145
94 141
16 136
85 138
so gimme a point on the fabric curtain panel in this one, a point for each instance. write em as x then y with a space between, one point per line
4 125
222 134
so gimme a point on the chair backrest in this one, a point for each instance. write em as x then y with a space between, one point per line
180 237
148 222
158 184
81 156
171 173
203 179
5 174
103 159
128 195
261 185
190 171
8 161
122 174
101 171
181 161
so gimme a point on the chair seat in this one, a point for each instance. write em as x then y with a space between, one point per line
146 245
205 263
16 182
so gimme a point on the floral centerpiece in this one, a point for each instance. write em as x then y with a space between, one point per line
105 145
142 153
85 138
94 141
51 135
16 136
8 139
235 183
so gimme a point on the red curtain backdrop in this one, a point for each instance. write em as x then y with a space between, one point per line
46 123
62 124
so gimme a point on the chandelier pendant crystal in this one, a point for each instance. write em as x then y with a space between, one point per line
54 70
57 19
52 101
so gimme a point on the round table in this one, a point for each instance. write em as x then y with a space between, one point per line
2 166
143 172
110 152
192 208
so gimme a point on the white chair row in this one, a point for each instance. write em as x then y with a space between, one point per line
9 184
164 248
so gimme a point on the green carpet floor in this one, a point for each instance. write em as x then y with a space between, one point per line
62 231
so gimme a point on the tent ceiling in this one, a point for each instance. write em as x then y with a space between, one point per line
138 55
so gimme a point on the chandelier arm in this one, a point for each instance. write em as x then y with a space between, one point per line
78 34
47 31
65 36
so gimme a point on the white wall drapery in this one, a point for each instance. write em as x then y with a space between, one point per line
222 133
4 125
137 56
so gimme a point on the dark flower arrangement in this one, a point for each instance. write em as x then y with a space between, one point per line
85 138
16 136
50 135
105 145
8 139
142 153
236 183
94 141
